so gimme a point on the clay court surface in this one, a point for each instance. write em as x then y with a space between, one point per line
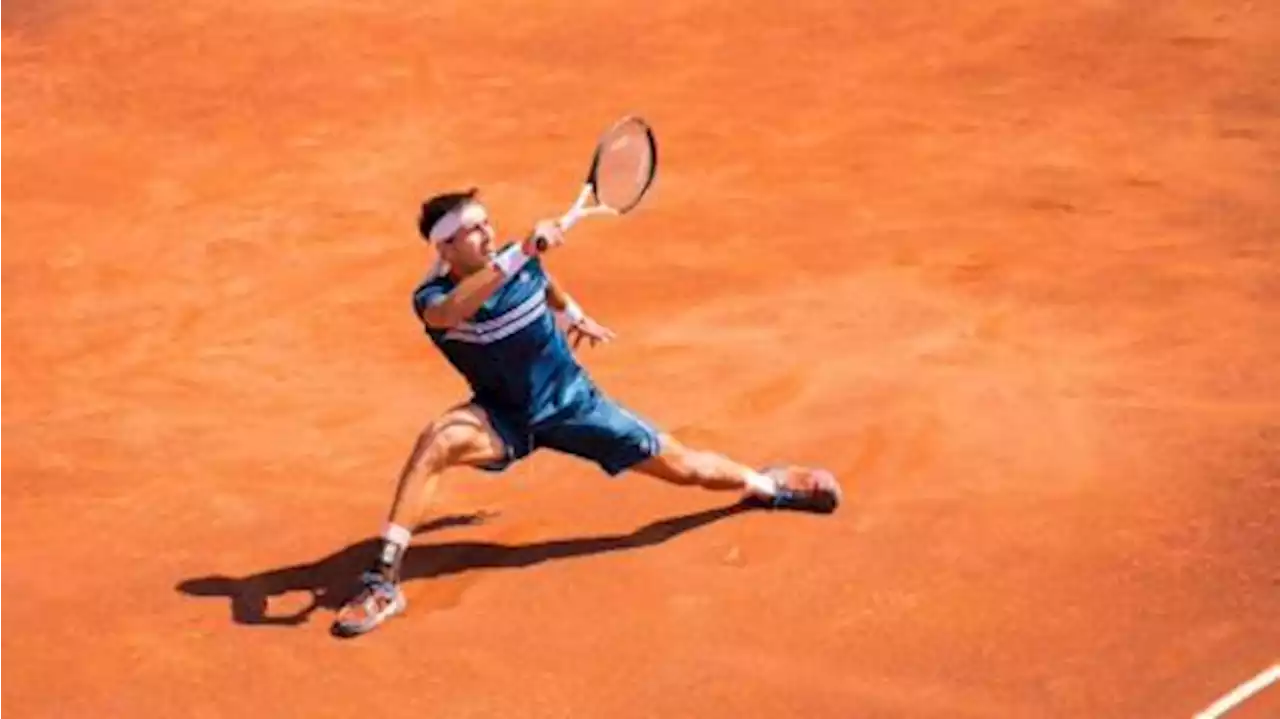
1010 271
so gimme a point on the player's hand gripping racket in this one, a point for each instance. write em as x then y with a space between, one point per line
622 171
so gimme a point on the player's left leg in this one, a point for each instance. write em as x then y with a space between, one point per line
784 487
617 440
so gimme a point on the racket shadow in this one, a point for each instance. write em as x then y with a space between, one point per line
332 579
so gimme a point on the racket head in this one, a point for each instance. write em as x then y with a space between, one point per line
625 164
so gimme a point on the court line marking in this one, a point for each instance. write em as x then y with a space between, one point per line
1228 702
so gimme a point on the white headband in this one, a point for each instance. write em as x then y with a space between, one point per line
468 214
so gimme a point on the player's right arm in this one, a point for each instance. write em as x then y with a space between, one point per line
443 311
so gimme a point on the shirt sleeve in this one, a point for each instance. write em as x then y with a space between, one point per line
426 295
539 272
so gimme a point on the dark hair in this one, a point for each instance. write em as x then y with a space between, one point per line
441 205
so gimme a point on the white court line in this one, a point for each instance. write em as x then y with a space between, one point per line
1240 693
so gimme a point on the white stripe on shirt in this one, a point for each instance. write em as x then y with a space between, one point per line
513 323
509 316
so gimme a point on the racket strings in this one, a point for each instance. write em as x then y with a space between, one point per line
624 168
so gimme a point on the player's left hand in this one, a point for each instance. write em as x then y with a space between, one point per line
590 330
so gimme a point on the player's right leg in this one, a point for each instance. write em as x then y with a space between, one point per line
463 436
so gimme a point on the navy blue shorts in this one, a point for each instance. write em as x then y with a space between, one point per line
594 427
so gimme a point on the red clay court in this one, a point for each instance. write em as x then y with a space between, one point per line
1011 270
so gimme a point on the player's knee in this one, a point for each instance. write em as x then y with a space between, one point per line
441 442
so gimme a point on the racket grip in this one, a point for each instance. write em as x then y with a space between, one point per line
564 223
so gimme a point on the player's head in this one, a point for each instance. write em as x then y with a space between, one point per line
458 225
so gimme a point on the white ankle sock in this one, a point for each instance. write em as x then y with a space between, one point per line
760 484
398 536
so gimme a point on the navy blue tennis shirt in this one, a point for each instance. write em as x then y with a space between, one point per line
523 373
511 353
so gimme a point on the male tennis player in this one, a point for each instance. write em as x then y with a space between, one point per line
488 312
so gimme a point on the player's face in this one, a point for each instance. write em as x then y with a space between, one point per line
470 246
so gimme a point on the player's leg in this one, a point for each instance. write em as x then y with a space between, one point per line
677 463
616 439
786 487
463 436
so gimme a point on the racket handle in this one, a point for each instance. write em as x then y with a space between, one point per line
565 222
569 220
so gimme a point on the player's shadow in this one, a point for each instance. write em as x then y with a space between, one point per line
333 579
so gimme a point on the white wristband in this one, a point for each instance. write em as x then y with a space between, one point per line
573 313
510 260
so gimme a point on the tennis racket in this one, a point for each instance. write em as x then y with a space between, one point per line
623 168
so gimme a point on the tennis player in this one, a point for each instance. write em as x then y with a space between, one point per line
490 312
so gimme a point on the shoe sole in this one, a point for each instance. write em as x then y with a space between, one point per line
825 500
394 609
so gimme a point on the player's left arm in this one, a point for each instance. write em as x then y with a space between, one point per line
560 301
581 326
